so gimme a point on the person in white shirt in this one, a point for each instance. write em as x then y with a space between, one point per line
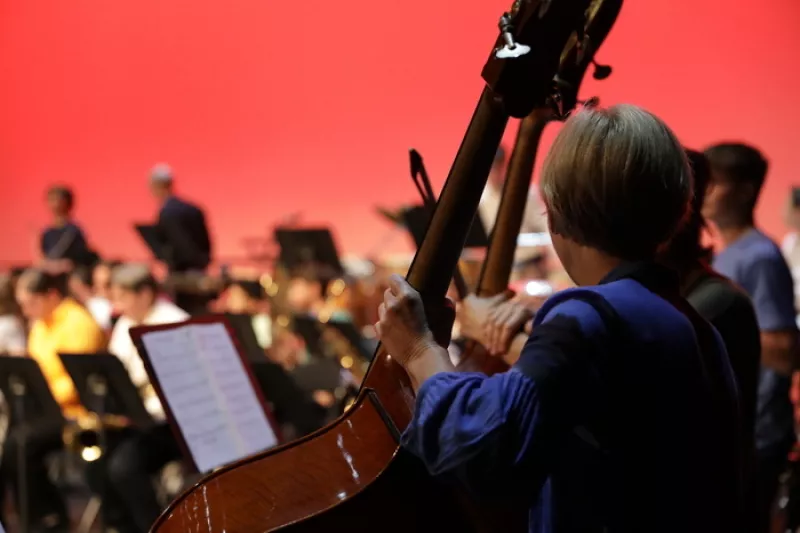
127 472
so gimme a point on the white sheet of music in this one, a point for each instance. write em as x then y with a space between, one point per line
209 393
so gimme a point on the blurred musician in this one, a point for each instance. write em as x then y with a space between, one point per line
58 325
308 294
63 244
613 381
80 287
130 503
754 262
101 278
184 234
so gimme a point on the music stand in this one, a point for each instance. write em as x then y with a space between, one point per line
152 239
416 220
311 247
290 404
308 328
105 387
31 402
241 325
138 332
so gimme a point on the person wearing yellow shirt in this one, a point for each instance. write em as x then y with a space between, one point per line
58 325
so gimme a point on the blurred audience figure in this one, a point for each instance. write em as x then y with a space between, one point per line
63 244
80 287
12 328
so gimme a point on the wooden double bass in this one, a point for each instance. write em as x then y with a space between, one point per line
496 270
353 475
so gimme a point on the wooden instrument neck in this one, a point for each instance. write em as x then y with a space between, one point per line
499 262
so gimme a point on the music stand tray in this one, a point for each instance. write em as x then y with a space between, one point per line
311 247
119 397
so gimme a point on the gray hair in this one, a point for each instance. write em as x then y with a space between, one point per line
617 180
133 277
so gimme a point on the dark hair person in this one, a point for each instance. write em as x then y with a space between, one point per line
615 418
723 304
754 262
63 244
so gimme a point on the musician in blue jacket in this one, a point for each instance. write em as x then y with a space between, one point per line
621 414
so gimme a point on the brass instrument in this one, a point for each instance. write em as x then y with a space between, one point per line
85 435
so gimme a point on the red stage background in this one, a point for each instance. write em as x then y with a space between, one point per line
265 108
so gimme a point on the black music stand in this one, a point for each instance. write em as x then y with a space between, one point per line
31 404
152 239
290 404
105 387
416 220
242 326
309 248
307 327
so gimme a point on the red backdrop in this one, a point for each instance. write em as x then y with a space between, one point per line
264 108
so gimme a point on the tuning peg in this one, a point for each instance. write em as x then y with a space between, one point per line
601 72
512 48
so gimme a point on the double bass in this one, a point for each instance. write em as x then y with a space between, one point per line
353 475
496 270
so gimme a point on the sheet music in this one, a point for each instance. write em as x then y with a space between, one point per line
209 393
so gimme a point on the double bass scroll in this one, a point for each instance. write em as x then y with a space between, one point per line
352 475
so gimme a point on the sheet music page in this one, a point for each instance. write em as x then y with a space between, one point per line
209 393
244 411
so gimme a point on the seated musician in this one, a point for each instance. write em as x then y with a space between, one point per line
130 503
308 293
58 325
621 413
